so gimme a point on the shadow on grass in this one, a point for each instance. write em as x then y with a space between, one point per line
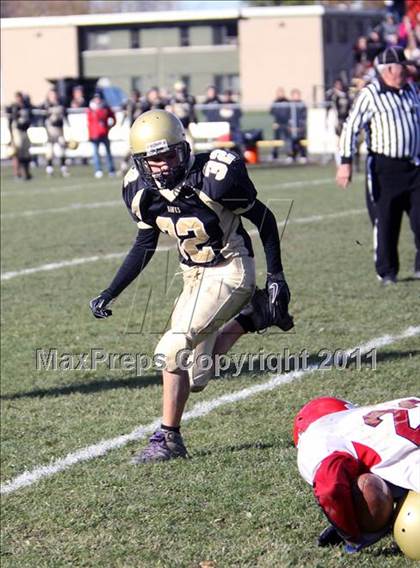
261 367
236 448
391 550
408 279
91 387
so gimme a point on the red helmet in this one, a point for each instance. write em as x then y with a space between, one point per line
315 409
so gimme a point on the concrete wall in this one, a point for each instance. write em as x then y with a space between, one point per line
30 56
279 51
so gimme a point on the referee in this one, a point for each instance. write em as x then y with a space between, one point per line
388 109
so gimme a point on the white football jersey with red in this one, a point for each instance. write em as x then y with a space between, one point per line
385 437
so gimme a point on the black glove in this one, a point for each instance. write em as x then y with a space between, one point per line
99 306
278 301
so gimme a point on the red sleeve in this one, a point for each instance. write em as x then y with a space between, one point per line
332 488
90 122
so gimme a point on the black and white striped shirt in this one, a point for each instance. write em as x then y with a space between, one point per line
391 119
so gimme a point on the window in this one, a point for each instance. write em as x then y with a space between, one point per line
328 35
226 34
328 78
98 40
359 27
184 36
136 84
217 35
186 79
232 33
134 39
342 30
224 82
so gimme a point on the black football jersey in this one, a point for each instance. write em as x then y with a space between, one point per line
20 117
55 114
202 213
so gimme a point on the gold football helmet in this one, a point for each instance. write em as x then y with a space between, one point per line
159 133
72 144
407 526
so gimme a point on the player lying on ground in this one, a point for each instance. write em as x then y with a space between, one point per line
197 200
337 443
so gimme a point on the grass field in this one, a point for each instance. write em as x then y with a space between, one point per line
239 500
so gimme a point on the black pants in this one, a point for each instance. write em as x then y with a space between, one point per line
392 187
280 133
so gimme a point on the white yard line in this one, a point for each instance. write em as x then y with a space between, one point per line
83 260
66 209
198 410
59 189
99 184
98 204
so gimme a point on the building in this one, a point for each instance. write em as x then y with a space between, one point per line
251 50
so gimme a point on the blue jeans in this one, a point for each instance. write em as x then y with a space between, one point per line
97 163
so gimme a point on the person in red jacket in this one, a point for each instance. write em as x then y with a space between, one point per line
100 121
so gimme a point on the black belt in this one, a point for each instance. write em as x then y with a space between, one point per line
405 159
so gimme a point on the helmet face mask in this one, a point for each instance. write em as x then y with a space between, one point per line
176 158
159 148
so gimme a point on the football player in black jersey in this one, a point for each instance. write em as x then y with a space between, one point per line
20 119
197 200
55 115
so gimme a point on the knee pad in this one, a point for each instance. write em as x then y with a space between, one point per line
175 349
201 368
199 377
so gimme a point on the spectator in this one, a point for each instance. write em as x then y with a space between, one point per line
164 95
280 111
360 51
339 97
133 107
413 44
182 104
374 45
153 100
388 29
212 102
55 115
417 29
404 31
20 117
100 121
78 98
230 112
297 126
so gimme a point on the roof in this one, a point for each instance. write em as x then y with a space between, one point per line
177 16
116 18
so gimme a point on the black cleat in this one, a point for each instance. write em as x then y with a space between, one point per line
257 316
330 537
